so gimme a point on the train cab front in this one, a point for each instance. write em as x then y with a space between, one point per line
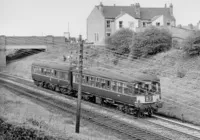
148 97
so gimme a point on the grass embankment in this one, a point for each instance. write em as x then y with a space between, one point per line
180 77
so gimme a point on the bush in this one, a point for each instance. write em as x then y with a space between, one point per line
151 42
192 44
120 41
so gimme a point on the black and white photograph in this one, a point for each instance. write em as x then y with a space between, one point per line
99 70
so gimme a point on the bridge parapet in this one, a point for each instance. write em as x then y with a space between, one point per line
2 43
2 52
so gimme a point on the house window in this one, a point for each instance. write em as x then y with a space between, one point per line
157 23
144 24
168 23
96 36
107 34
108 24
120 24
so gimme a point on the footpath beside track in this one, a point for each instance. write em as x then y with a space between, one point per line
129 130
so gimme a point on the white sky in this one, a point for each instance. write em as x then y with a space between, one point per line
51 17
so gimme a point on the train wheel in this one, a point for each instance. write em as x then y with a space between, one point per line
53 88
63 90
150 112
36 83
139 113
41 84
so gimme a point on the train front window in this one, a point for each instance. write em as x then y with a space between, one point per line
141 88
154 87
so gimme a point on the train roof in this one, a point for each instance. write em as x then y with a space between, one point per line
54 65
107 74
119 76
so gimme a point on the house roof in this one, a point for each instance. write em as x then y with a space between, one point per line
145 13
114 11
149 13
122 13
156 17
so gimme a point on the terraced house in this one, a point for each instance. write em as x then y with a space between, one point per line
105 20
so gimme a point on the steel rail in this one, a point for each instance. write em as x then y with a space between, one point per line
170 129
128 130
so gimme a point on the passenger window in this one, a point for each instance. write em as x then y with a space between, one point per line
103 83
53 73
42 70
141 88
74 78
83 79
65 75
136 88
36 69
114 85
98 84
108 85
120 87
126 90
92 82
153 87
87 80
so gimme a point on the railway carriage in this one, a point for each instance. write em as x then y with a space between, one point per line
133 95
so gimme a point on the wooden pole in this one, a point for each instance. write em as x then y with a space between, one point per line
79 87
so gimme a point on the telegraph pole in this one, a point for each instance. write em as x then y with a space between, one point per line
78 112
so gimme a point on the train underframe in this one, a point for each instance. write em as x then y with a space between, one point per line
139 110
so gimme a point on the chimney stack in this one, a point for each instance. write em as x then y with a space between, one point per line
137 10
171 9
101 6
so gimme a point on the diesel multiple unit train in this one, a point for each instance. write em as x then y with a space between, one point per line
136 95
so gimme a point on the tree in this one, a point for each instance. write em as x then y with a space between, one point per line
150 42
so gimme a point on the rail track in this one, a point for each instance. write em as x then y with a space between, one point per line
123 128
133 132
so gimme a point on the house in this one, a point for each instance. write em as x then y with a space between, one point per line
105 20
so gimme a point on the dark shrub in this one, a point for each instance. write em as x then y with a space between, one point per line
192 44
120 41
151 42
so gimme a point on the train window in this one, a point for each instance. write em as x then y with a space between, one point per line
98 84
108 85
53 73
120 87
87 80
159 90
47 72
42 70
74 78
103 83
153 88
92 81
65 75
136 88
130 90
36 69
141 88
126 90
114 85
83 79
